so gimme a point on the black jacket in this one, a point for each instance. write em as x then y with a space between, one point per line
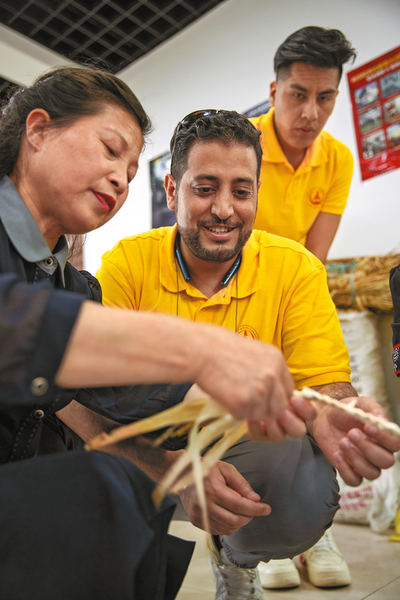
37 313
35 324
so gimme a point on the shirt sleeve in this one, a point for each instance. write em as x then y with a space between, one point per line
36 322
132 403
116 281
125 404
338 192
312 339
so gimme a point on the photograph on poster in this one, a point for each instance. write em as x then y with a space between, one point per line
390 84
371 119
367 95
375 97
393 135
374 144
392 109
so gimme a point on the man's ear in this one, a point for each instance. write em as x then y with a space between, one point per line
272 92
37 125
170 190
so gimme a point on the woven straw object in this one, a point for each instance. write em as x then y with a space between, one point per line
208 423
362 283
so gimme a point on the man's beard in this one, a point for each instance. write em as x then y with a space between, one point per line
220 254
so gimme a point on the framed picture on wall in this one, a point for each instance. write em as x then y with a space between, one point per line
259 109
375 96
159 167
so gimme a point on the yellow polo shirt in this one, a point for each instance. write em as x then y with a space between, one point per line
279 296
289 201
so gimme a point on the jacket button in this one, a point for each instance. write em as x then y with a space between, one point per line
49 262
39 386
39 414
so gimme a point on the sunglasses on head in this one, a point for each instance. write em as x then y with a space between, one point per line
196 115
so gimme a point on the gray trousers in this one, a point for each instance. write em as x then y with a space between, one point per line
299 484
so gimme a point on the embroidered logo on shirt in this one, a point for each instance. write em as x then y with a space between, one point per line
316 196
247 331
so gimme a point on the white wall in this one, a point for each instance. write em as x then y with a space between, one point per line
22 60
225 61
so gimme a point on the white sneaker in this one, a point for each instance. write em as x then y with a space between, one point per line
277 574
231 582
326 566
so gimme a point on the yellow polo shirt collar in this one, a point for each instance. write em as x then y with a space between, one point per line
289 201
272 150
171 277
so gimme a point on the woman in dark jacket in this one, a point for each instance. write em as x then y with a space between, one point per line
73 524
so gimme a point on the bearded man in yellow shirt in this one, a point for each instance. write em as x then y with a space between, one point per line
305 172
212 267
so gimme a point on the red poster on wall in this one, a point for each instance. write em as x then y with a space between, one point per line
375 96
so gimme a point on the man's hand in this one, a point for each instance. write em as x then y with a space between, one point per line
291 423
356 450
249 378
231 502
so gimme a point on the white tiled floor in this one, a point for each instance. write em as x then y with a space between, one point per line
374 565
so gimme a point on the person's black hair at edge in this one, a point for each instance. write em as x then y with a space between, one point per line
316 46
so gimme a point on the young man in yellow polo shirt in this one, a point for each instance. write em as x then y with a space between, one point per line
213 268
305 172
306 175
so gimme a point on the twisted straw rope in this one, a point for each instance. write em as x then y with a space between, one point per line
350 408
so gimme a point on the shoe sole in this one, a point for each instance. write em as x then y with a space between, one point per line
279 581
328 581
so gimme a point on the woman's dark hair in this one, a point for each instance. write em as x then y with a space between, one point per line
66 93
223 126
315 46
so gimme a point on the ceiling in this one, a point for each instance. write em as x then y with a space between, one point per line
114 32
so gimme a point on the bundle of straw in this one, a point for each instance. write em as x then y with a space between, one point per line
210 425
207 422
362 283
